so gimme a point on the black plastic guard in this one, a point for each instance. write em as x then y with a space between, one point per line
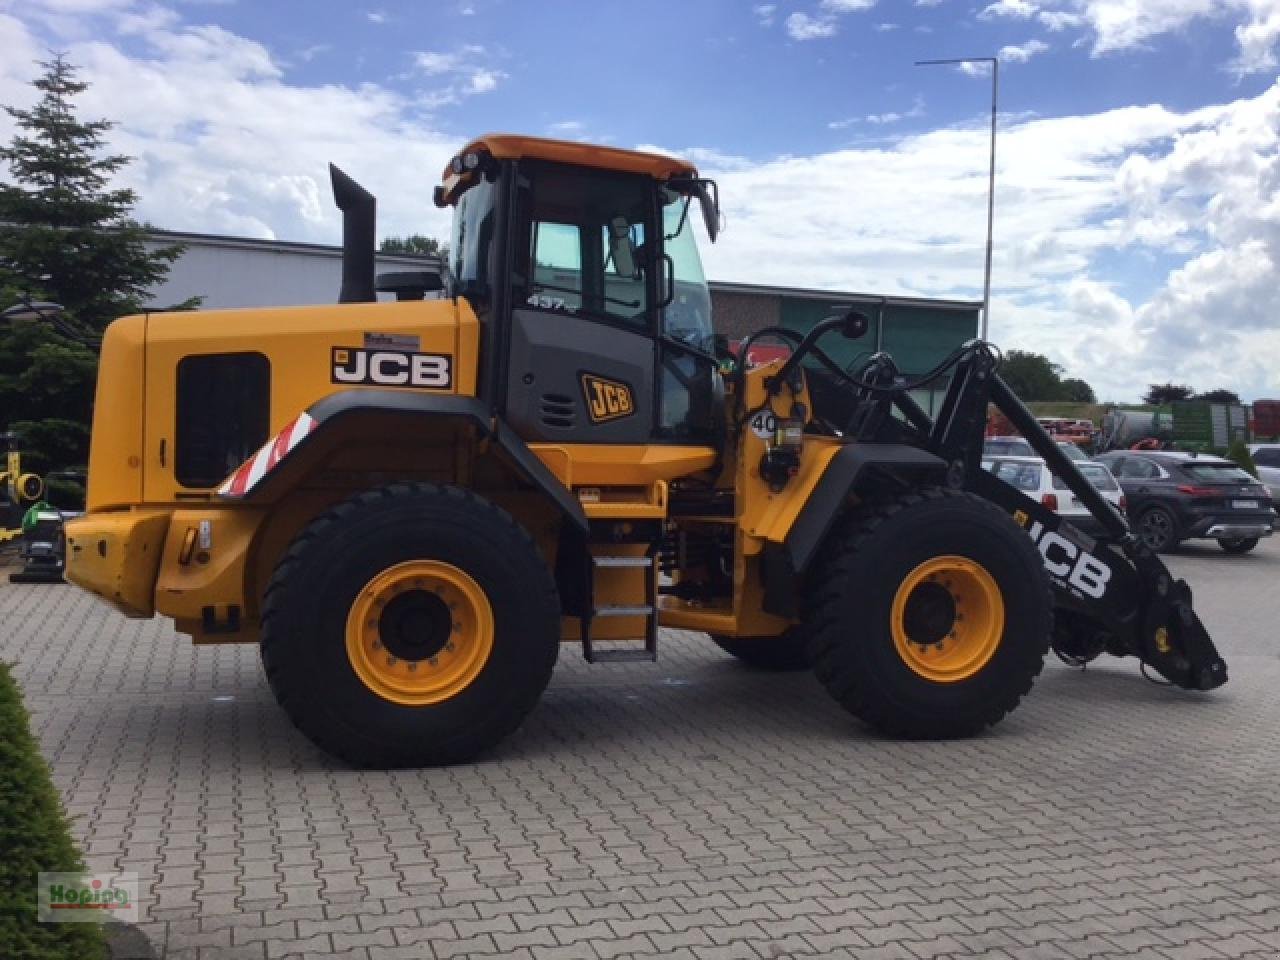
1123 592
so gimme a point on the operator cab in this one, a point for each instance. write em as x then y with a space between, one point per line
582 266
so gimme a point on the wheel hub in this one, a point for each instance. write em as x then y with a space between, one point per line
930 613
419 632
947 619
415 626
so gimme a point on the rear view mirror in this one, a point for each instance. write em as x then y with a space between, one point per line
854 325
621 249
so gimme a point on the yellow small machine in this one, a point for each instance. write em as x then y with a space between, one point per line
411 505
18 490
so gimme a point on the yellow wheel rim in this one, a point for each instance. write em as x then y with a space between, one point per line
947 619
419 632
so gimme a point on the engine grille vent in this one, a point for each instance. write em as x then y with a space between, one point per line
557 410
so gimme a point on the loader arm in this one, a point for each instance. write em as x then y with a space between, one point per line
1111 595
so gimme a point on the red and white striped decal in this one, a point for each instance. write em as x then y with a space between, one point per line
249 473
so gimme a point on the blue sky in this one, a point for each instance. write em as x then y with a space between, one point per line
1137 219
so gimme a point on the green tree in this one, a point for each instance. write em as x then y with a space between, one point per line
1239 452
1031 376
1077 391
1159 394
417 244
66 235
1220 395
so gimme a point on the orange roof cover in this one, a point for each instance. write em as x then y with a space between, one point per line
506 146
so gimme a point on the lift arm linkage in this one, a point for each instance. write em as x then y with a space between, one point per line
1112 594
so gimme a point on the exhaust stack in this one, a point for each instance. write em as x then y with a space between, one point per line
359 223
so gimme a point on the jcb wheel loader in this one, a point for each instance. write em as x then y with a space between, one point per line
411 505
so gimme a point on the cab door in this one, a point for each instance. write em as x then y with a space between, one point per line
581 340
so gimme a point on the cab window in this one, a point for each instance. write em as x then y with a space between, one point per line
586 253
223 415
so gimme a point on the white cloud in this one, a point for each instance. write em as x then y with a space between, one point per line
801 26
376 16
847 6
1200 189
1117 25
226 143
458 70
1022 52
886 27
765 13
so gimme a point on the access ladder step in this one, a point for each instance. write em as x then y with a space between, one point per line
622 561
622 655
621 610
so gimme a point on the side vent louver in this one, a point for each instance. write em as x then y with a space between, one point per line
557 410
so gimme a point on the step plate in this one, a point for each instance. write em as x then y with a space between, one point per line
623 655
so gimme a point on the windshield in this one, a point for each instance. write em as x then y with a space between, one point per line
688 316
473 223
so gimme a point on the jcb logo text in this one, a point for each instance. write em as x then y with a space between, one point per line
1066 561
392 368
606 399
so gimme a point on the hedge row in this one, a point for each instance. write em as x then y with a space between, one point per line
34 836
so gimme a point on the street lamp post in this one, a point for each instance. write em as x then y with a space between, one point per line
991 177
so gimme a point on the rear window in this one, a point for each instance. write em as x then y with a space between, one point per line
224 407
1100 477
1024 476
1219 472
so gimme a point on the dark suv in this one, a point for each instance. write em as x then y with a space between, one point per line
1181 496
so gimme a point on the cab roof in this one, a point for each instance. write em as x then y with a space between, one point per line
508 146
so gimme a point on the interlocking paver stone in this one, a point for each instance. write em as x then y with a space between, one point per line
687 809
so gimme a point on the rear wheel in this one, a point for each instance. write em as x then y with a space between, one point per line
1158 529
931 614
787 652
392 634
1237 545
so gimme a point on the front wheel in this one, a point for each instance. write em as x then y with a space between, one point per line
412 625
1237 545
931 614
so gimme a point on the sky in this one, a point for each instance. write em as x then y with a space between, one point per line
1137 212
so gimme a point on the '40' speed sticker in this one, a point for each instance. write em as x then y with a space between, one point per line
764 423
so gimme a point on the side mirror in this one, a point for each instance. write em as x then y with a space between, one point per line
854 325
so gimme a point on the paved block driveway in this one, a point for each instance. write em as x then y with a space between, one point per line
691 808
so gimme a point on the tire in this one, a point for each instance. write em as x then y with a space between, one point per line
787 652
405 577
1237 545
878 612
1158 529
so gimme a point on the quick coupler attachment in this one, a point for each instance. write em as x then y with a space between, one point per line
1176 645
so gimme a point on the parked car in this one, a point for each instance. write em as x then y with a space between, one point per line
1072 451
1183 496
1006 447
1266 456
1033 477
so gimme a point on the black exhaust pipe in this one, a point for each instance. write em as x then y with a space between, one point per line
359 224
